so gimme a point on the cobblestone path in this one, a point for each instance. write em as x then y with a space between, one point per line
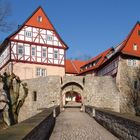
72 124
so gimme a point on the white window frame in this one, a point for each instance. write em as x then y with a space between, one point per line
40 72
135 47
20 48
55 54
49 38
33 51
39 18
44 51
132 62
28 33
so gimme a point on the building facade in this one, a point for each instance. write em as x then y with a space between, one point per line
123 63
34 50
107 63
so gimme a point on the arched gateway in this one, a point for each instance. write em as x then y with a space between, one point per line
71 92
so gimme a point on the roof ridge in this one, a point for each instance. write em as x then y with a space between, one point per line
74 66
28 18
128 36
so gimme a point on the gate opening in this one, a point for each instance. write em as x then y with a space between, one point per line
72 99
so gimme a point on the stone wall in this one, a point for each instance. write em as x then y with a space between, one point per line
47 94
38 127
124 127
101 92
125 82
95 91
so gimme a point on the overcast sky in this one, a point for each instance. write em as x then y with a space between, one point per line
88 27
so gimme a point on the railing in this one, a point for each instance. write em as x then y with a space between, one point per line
38 127
121 125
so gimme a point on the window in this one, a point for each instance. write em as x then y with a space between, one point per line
132 62
40 72
44 52
135 84
49 38
135 47
20 50
43 72
33 51
28 34
138 32
55 54
39 19
34 96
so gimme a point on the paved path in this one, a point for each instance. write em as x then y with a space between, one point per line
72 124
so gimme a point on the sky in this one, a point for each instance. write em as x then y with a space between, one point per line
88 27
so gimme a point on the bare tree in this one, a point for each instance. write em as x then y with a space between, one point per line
5 11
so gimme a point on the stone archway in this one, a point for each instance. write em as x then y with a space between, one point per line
71 92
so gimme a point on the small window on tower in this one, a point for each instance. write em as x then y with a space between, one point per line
132 62
135 47
39 19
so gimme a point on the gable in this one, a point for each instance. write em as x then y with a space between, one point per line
40 31
132 45
45 23
39 36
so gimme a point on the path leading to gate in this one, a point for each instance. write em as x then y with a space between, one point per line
72 124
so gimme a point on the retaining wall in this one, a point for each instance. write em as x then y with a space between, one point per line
121 125
38 127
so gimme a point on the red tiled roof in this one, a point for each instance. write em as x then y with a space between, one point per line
133 38
102 59
126 47
31 21
73 66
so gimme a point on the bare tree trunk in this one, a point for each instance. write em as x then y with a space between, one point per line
11 86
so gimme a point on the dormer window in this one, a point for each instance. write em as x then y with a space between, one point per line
135 47
39 19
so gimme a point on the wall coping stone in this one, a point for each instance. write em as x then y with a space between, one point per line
129 117
21 130
124 126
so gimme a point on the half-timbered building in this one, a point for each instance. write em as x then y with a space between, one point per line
109 62
34 49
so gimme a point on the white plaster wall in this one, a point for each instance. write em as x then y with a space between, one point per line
38 36
5 56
